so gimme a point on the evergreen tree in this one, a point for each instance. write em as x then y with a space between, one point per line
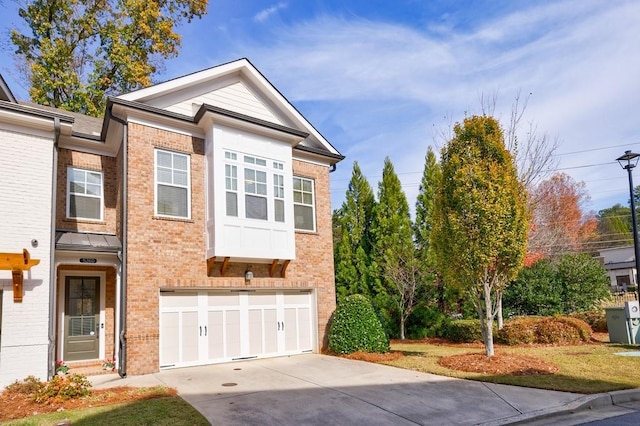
423 226
352 240
394 251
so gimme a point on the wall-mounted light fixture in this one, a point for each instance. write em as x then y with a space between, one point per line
248 275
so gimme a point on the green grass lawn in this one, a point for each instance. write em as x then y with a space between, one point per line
583 368
166 411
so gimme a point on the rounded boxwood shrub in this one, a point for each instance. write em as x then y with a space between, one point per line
545 330
355 327
464 331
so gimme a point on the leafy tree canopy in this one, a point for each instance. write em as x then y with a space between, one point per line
571 283
78 52
480 229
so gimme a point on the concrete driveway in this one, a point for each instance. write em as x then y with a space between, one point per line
323 390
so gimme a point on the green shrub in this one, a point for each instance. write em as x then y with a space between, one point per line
355 327
544 330
464 331
426 321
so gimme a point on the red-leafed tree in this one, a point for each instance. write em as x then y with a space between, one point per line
560 223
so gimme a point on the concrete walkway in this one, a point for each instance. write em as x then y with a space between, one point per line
319 390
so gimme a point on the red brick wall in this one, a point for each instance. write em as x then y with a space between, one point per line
171 253
106 165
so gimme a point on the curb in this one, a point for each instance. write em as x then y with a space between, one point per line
587 402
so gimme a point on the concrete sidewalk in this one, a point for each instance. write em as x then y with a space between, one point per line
318 390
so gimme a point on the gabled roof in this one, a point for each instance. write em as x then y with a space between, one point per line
238 88
5 92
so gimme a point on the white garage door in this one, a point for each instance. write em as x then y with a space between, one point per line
218 326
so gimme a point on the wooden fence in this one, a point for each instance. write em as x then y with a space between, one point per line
618 299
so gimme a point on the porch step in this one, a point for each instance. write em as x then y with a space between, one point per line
88 368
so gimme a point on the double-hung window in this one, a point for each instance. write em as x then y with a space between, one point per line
278 191
173 191
84 194
231 183
255 188
303 204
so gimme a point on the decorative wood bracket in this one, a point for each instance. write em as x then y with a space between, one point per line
283 271
272 268
210 263
17 263
17 285
225 264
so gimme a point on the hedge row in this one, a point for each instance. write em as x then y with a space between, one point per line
541 330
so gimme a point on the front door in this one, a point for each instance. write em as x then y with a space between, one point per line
81 318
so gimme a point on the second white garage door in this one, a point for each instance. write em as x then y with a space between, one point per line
219 326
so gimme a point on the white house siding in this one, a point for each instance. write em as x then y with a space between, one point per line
25 215
235 97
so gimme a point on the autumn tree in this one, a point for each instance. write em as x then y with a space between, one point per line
480 228
393 247
352 239
614 227
559 221
77 53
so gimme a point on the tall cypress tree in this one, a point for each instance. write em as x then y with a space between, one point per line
393 249
424 206
352 239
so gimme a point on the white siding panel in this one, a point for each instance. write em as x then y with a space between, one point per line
25 215
235 97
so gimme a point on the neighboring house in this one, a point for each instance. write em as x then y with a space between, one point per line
621 268
191 226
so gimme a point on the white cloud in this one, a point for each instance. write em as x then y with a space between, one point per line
263 15
381 87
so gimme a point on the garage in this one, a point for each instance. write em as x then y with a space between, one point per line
212 326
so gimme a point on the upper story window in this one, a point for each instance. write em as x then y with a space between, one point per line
84 194
278 192
304 204
261 191
172 188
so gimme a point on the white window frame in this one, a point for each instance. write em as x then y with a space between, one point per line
312 205
267 189
72 170
156 183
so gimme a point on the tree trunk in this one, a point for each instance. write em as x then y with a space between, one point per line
499 309
488 321
401 327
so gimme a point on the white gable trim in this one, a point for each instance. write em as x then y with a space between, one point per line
244 69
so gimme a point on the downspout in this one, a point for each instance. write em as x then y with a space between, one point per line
51 359
333 168
122 342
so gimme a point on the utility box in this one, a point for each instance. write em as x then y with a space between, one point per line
623 323
632 309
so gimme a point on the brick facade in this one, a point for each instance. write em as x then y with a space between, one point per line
167 253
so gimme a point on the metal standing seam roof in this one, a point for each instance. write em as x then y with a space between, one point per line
620 265
81 241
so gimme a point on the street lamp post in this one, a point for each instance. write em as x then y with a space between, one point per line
628 161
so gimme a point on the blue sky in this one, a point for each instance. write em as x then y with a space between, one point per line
388 78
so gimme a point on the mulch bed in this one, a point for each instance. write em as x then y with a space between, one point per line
16 405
